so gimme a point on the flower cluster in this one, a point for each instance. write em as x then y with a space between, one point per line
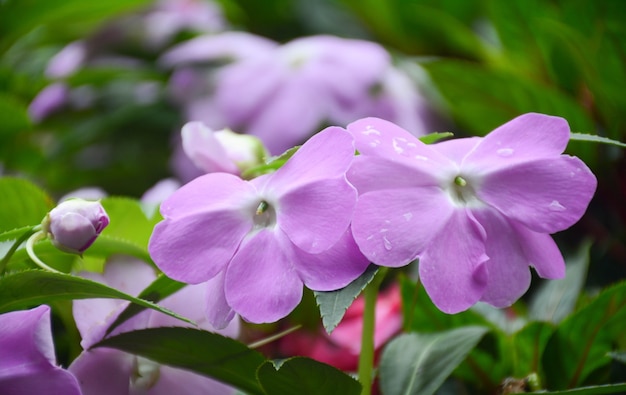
475 212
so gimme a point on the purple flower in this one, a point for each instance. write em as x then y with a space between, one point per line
265 238
51 98
104 371
75 224
28 364
475 211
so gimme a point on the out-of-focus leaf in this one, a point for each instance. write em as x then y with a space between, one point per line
333 304
434 137
419 363
306 377
160 288
23 203
128 221
593 390
528 345
202 352
581 342
33 287
556 299
14 117
618 356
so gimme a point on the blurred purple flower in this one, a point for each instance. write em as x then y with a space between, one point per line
28 364
67 61
475 211
104 371
75 224
49 100
265 238
306 83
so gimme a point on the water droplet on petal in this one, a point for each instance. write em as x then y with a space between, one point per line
556 206
505 152
407 216
387 243
421 157
369 131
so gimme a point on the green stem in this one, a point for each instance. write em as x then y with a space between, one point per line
40 235
5 260
366 358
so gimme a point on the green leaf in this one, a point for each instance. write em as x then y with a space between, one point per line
593 390
199 351
528 345
128 221
333 304
25 289
305 376
595 139
419 363
23 203
581 342
434 137
271 164
556 299
160 288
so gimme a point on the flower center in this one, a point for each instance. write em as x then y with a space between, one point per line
265 216
145 373
462 193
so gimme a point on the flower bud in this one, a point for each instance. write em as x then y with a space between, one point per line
221 151
75 224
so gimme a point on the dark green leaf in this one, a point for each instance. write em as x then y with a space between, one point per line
160 288
305 376
595 139
528 345
419 363
34 287
333 305
580 344
23 203
199 351
556 299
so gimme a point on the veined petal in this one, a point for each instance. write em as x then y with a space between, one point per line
541 251
457 149
452 268
547 195
178 381
103 371
526 138
377 137
371 173
326 155
392 226
197 247
52 381
210 192
315 216
218 312
262 284
334 268
508 266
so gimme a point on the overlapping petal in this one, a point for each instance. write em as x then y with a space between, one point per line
261 283
452 268
541 252
388 174
334 268
103 372
392 226
547 195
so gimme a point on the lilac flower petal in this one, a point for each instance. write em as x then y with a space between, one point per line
178 381
261 283
103 372
218 312
508 266
541 251
234 45
392 226
371 173
457 149
332 269
26 342
203 148
49 100
547 195
452 269
528 137
55 381
377 137
315 217
326 155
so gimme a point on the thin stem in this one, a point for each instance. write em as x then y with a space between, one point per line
5 260
366 358
31 253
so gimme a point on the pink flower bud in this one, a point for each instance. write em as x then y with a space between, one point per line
75 224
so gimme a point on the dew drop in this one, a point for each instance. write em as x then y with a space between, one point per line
505 152
387 243
369 131
420 157
556 206
407 216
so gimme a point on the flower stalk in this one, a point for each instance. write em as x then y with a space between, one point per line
5 260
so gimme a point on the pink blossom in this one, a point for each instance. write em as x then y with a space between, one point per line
265 238
477 212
